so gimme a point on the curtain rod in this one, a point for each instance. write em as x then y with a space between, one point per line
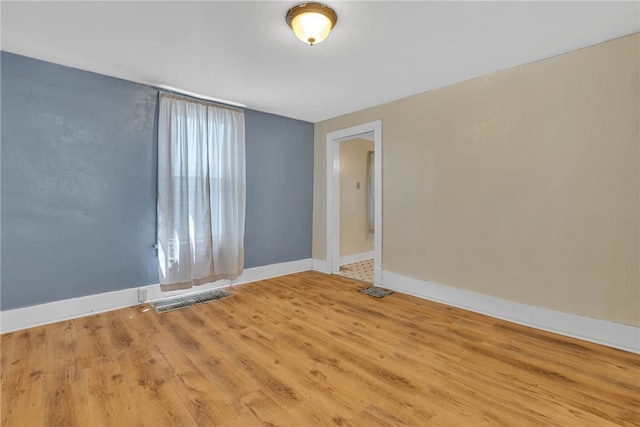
199 101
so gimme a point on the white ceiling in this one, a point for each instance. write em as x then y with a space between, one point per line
244 52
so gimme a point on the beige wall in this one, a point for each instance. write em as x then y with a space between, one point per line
522 185
353 201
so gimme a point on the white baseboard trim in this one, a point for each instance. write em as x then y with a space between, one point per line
611 334
56 311
273 270
616 335
348 259
319 265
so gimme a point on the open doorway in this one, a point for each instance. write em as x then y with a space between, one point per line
356 208
355 239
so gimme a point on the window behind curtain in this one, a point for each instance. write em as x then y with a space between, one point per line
201 192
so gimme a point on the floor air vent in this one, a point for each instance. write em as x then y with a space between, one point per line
188 300
377 292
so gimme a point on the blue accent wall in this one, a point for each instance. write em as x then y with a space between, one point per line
78 184
279 155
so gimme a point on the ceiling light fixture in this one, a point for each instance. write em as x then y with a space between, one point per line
311 22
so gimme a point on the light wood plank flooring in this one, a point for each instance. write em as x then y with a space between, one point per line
309 350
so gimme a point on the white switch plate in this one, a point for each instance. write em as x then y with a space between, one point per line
142 295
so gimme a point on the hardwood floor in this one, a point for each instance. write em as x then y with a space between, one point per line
309 350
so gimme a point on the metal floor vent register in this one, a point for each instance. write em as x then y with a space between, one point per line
188 300
377 292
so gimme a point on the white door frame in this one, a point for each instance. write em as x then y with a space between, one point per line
333 194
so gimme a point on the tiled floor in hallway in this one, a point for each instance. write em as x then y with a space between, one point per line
361 270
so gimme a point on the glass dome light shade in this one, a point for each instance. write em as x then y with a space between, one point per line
311 22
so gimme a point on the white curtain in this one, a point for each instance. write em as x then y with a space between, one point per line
370 196
201 192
